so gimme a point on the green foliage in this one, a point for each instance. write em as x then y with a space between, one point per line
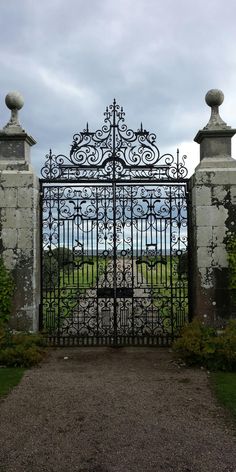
28 340
231 251
21 350
6 293
53 261
9 378
202 345
21 356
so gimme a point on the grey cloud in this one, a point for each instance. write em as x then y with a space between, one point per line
70 59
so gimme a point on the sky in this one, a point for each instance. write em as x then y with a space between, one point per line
158 58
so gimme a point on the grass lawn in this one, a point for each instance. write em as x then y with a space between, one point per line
164 274
224 384
169 288
9 378
72 284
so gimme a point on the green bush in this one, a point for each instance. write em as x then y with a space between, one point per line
204 346
6 293
21 350
21 356
27 339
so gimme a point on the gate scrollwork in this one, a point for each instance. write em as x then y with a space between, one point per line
114 238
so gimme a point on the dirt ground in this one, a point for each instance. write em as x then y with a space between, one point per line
107 410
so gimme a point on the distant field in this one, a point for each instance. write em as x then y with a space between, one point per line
166 279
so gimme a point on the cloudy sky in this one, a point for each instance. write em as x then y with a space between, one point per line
70 58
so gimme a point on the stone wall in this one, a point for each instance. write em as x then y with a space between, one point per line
19 242
213 220
19 222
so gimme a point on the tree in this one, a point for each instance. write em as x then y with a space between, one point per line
54 260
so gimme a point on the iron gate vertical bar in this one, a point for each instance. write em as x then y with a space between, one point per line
114 226
189 249
132 256
171 267
58 268
97 258
41 254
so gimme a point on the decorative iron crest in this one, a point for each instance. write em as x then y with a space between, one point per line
112 153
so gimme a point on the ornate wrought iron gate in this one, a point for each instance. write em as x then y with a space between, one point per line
114 239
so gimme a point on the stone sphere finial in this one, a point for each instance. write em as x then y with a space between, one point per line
14 100
214 98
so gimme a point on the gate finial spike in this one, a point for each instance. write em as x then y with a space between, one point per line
87 127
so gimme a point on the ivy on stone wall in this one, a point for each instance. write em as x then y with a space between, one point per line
6 293
231 252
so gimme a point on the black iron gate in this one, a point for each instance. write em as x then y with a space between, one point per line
114 239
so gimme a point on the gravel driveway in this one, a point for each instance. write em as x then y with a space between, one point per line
107 410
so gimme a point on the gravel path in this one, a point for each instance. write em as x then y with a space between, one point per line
106 410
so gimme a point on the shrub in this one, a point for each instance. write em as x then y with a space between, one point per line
16 350
226 347
27 339
6 293
21 350
202 345
21 356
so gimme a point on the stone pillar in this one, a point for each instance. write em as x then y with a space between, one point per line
19 218
213 218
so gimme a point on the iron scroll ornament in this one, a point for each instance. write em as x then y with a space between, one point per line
112 153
